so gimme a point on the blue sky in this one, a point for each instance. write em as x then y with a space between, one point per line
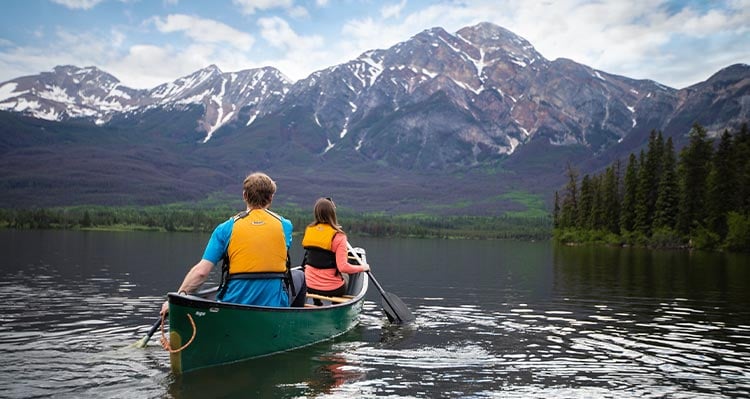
148 42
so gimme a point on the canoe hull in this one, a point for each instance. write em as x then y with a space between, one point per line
227 333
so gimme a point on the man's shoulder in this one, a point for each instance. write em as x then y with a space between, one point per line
279 217
225 227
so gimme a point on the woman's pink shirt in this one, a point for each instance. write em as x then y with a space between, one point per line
327 279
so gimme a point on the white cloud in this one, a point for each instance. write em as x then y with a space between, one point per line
249 7
279 34
66 48
639 40
205 30
118 38
137 66
298 55
321 3
297 12
146 66
78 4
392 10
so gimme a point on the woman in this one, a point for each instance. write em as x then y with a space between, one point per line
326 253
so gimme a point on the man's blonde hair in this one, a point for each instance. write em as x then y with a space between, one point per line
258 189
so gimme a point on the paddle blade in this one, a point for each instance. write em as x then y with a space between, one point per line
395 309
141 343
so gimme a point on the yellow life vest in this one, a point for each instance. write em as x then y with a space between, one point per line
257 244
319 236
317 243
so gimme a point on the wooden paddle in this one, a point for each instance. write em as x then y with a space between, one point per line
143 341
393 306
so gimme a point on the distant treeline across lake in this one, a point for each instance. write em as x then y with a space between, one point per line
181 218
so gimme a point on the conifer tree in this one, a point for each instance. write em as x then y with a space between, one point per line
600 207
611 198
693 171
627 215
585 204
648 183
569 210
721 183
593 216
741 162
667 201
556 212
86 219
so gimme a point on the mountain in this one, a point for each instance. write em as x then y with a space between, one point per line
89 93
440 123
444 101
69 92
221 94
722 100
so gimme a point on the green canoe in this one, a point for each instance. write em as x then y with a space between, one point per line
205 333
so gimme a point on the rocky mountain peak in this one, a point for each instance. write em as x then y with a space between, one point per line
491 35
729 75
223 95
68 92
435 100
498 42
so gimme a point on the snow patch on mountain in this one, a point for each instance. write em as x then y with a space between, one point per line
374 69
8 90
57 94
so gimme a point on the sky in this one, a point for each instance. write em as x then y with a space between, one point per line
145 43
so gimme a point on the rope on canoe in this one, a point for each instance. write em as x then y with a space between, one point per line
165 341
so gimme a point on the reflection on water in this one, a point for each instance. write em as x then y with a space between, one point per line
494 319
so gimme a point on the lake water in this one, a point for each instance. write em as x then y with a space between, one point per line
495 319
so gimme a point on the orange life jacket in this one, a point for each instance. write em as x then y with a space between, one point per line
317 244
257 243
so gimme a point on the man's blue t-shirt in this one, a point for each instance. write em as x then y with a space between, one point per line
262 292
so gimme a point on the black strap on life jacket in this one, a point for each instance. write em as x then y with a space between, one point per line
320 258
225 276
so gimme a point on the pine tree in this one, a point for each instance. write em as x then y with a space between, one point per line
598 209
694 166
741 162
721 183
648 183
667 201
627 215
569 210
556 212
86 219
585 203
611 198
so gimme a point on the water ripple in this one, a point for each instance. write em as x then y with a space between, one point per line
602 345
63 336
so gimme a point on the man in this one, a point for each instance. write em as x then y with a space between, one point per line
255 243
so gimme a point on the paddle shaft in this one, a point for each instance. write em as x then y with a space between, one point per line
377 285
151 331
383 294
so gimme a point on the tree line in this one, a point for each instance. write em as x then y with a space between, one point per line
174 218
697 198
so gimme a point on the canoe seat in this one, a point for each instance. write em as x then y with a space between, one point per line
336 299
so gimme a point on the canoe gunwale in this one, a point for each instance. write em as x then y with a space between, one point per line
200 301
